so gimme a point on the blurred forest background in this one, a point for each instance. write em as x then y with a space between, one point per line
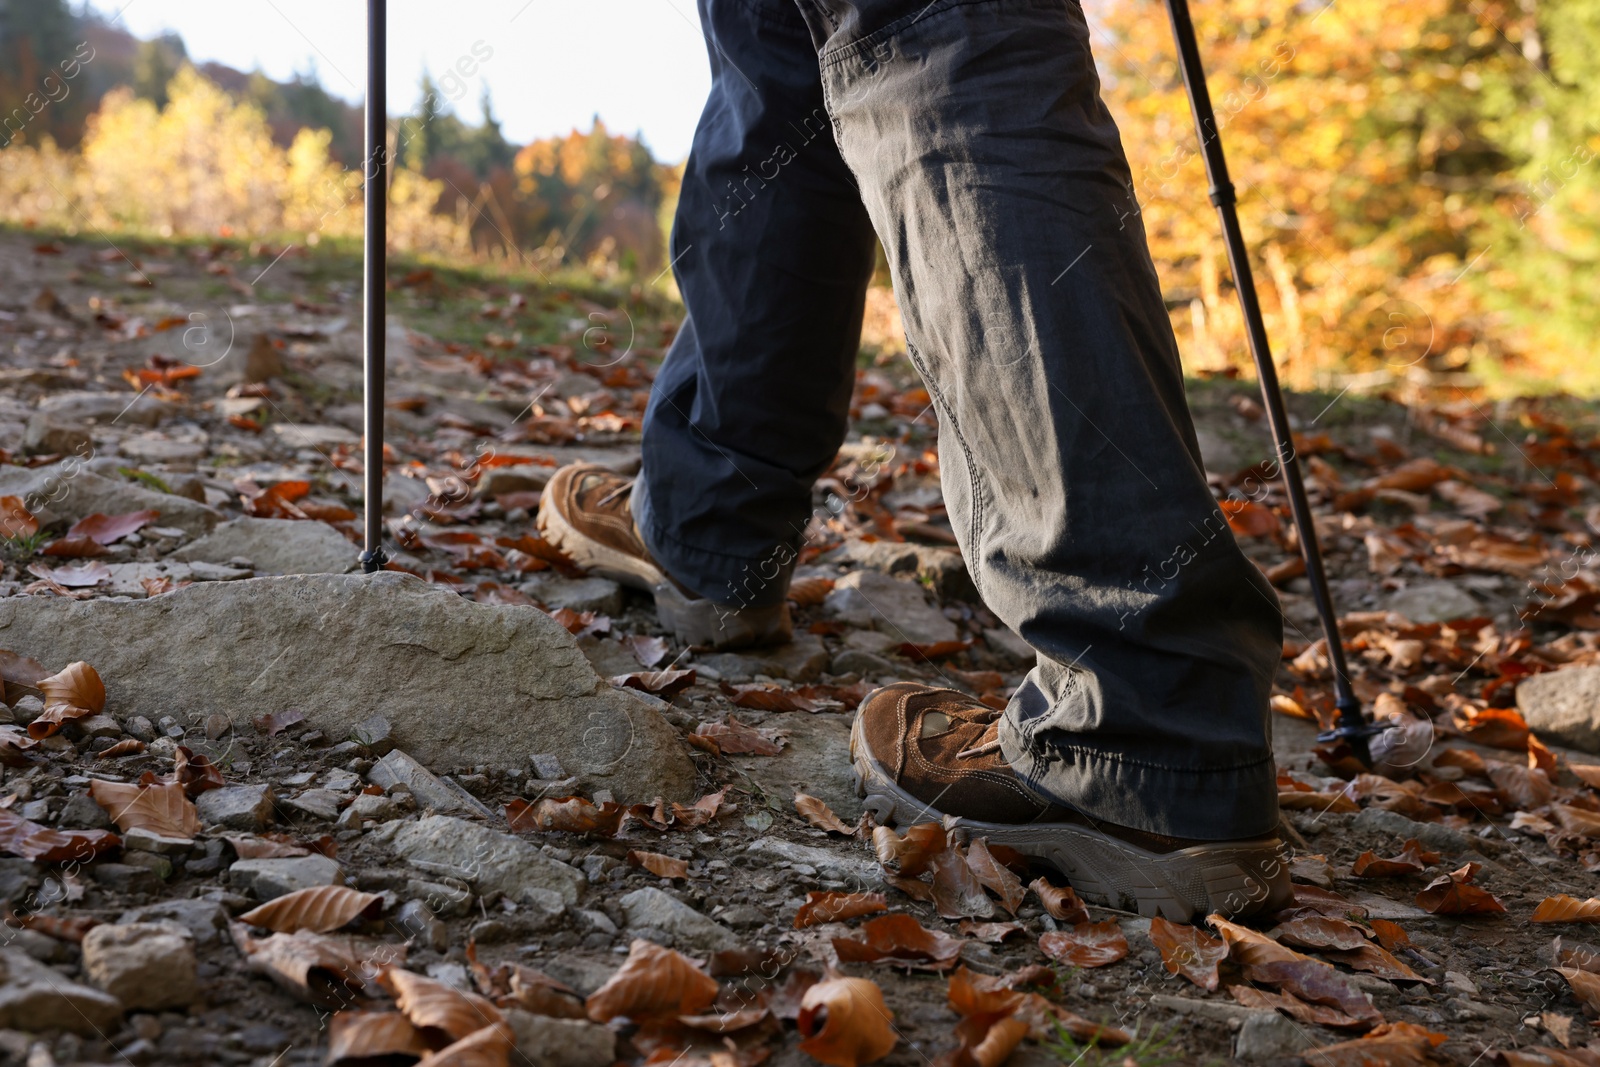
1418 181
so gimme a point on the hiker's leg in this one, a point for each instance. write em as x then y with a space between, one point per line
996 181
773 251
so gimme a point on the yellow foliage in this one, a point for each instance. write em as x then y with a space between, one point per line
207 165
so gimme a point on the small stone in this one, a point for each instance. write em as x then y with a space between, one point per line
154 862
141 840
546 765
1563 706
1456 982
855 661
280 546
366 806
491 861
1270 1036
431 791
318 803
266 879
1398 827
144 965
446 901
34 997
125 876
237 807
599 595
1006 643
45 436
744 916
598 920
657 910
416 922
374 734
1425 602
894 607
100 725
205 920
26 709
544 1041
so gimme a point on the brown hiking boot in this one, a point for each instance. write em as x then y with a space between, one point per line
586 512
929 755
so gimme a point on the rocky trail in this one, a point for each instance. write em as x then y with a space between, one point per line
479 809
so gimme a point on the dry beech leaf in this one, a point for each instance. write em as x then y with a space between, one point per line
1413 859
319 909
995 876
831 907
159 807
195 772
911 853
1390 935
1585 986
537 992
51 719
1521 786
489 1046
1587 773
1319 932
77 684
659 865
109 529
1000 1042
652 982
575 815
900 940
30 840
702 811
128 746
808 592
363 1036
431 1005
1086 945
1264 960
1319 1014
1454 894
20 676
649 651
15 743
17 521
1188 951
818 814
1577 820
1564 909
957 892
992 933
1061 903
326 971
845 1022
1397 1044
665 684
1374 960
734 738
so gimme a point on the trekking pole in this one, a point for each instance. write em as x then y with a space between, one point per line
1353 727
375 173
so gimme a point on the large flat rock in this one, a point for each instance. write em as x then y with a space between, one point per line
67 490
462 683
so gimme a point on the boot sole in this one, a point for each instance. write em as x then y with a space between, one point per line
693 621
1234 878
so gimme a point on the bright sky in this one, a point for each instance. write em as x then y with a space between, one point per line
552 64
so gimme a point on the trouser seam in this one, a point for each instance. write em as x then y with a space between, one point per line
975 523
1059 751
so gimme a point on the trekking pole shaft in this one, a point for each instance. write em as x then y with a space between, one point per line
375 175
1222 196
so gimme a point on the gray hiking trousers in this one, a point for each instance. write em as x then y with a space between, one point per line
969 137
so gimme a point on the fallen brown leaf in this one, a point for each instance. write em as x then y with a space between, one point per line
734 738
818 814
652 982
649 651
1390 935
664 684
1454 894
1319 932
899 939
995 876
575 815
319 909
1564 909
911 853
1319 1014
992 933
15 743
1413 859
21 675
274 723
808 592
325 971
364 1036
957 892
1374 960
489 1046
1086 945
1264 960
823 906
15 519
159 807
659 865
1187 951
109 529
195 772
1585 986
845 1023
435 1008
1062 904
1397 1044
